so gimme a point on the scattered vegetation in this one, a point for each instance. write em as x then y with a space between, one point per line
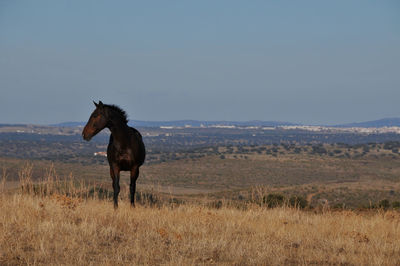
191 143
344 176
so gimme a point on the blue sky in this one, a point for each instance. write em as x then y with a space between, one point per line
314 62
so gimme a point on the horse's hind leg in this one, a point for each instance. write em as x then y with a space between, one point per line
132 187
114 173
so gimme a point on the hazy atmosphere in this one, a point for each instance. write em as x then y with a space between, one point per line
314 62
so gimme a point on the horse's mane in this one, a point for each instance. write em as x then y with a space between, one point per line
121 113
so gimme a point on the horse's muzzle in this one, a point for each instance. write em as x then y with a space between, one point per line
87 138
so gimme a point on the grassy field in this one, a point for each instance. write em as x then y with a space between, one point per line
58 229
61 220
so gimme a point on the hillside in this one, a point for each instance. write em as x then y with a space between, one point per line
343 175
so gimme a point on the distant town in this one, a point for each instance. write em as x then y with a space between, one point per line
382 126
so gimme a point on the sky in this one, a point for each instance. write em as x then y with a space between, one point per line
311 62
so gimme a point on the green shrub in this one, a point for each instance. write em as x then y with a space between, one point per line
396 204
101 193
339 206
147 198
217 204
298 202
274 200
384 204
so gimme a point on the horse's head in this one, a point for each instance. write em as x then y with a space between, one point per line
97 122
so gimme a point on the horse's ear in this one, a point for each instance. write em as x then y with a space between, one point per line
100 104
95 104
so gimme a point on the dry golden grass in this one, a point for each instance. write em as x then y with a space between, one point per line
58 222
61 230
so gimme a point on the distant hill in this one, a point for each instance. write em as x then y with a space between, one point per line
12 125
385 122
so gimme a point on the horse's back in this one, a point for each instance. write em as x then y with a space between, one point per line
135 132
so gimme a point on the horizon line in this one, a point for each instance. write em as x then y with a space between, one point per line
210 121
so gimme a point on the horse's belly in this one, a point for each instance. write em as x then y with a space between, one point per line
125 165
124 159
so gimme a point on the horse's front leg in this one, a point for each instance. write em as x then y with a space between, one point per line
132 187
114 173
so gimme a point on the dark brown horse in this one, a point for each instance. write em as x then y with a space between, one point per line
125 150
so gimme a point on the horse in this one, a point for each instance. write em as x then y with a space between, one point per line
125 151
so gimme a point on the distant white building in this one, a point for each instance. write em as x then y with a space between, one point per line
100 153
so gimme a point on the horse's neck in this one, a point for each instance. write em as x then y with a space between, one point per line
119 131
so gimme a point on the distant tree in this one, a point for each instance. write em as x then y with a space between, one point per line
366 148
337 151
319 149
390 145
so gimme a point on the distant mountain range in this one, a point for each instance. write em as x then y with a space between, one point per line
385 122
